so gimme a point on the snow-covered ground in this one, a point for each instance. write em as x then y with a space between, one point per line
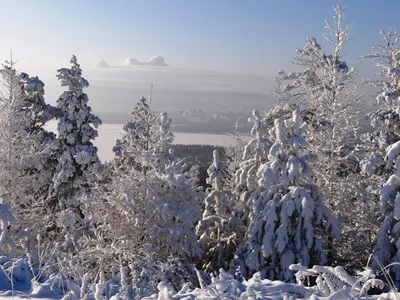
222 287
331 283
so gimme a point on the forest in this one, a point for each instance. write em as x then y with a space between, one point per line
309 208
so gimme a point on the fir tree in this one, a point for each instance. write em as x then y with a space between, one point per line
325 91
136 145
12 134
219 228
386 250
39 162
152 194
78 162
287 214
385 118
254 154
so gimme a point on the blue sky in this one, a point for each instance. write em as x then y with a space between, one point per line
247 42
255 36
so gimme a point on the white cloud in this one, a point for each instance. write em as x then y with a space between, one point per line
102 64
155 61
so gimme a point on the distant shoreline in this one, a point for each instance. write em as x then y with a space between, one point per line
200 128
109 133
196 128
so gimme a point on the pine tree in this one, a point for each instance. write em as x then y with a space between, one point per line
12 135
78 162
287 214
39 163
233 155
219 228
163 154
385 118
153 196
27 163
325 91
255 153
176 209
386 250
385 129
387 244
136 145
174 199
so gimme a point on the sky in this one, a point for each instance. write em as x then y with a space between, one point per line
244 43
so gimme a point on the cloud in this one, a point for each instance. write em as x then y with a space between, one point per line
102 64
155 61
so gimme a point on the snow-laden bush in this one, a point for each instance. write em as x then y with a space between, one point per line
336 280
224 286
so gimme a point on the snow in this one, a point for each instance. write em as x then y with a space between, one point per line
338 285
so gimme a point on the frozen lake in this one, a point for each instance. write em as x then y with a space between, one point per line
108 133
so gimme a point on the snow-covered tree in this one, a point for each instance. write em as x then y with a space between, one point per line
176 209
78 162
194 175
287 214
163 155
34 106
255 153
325 91
138 141
388 237
387 247
27 165
219 228
162 193
233 155
39 162
148 213
12 134
385 118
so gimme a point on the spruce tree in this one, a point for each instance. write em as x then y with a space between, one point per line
387 244
287 214
78 162
219 228
325 90
137 143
